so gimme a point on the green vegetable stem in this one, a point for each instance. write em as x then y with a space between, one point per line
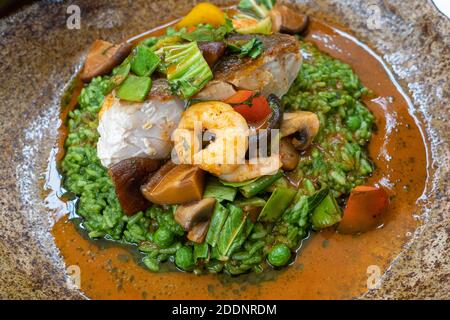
259 185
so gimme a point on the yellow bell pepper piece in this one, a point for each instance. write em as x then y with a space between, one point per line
205 13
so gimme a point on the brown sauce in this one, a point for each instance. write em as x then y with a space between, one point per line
329 265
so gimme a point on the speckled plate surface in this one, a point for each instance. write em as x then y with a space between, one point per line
39 55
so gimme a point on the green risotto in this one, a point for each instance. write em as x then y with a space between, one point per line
335 163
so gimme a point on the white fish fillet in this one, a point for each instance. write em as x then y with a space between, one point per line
138 129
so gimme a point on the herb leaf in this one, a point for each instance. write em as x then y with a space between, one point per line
205 33
252 48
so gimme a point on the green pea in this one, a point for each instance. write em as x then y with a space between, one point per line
279 255
163 237
184 258
354 122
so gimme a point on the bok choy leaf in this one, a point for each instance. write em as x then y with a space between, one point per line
231 230
218 219
187 71
241 237
327 213
259 8
201 251
315 199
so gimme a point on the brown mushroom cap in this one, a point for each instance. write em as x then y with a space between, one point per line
300 124
103 56
212 51
175 184
191 214
127 176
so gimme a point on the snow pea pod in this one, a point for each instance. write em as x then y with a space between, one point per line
259 185
278 202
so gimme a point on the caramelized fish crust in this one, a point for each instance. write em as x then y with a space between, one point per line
273 72
275 45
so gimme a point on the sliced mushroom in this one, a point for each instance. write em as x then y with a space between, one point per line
198 233
212 51
160 174
128 175
288 155
175 184
287 20
302 125
301 140
103 56
274 122
191 214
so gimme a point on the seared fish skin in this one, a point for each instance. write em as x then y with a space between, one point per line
273 71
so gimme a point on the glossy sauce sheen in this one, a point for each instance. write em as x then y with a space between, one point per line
329 265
